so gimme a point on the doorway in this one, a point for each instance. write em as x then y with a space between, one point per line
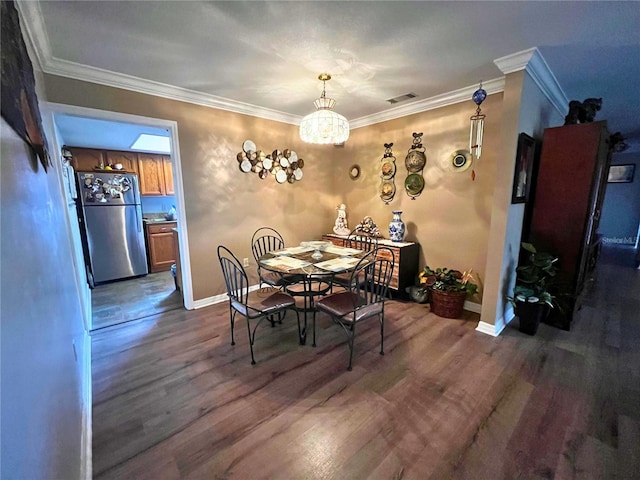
125 300
122 301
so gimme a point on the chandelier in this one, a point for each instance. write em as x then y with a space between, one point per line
324 126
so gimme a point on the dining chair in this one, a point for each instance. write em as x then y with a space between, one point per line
364 299
266 240
254 306
359 241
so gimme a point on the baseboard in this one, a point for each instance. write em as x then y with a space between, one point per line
205 302
86 466
495 329
473 307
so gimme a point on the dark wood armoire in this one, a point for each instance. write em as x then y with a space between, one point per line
570 186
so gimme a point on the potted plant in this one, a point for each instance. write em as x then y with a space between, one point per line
531 296
449 289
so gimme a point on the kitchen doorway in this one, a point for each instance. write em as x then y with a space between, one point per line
130 299
122 301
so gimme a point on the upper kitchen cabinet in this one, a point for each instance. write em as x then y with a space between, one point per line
168 175
156 174
87 159
128 160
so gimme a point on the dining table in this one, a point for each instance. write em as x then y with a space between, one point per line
308 270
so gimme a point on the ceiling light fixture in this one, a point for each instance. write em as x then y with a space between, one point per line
324 126
476 131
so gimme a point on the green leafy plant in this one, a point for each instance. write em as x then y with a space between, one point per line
447 280
535 277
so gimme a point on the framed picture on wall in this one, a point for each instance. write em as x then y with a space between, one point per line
621 173
524 168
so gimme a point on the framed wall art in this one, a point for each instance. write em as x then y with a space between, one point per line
19 104
621 173
522 177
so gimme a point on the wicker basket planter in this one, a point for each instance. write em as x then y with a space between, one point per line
447 304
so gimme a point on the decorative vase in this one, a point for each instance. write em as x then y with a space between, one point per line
396 227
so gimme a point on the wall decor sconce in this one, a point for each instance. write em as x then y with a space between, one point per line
415 162
477 127
284 165
387 173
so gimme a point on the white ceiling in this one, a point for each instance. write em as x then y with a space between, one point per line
265 56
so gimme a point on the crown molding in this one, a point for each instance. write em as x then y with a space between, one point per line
32 26
100 76
536 66
456 96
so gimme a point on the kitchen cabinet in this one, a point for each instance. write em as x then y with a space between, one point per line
128 160
406 260
160 245
156 174
155 171
87 159
168 175
570 187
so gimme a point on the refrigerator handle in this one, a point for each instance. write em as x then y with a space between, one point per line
139 217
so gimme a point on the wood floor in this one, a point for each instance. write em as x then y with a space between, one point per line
172 398
122 301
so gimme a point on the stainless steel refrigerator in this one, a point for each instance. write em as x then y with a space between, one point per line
111 215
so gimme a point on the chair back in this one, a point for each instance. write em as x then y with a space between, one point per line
371 277
265 240
360 241
235 277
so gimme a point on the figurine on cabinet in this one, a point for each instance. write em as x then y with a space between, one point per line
341 227
583 112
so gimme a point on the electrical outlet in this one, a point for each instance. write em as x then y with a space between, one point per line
245 262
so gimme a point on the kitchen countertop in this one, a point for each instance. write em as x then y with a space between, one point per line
158 220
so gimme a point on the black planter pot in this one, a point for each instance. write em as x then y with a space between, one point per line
530 315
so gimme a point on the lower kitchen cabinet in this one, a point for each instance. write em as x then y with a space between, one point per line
160 245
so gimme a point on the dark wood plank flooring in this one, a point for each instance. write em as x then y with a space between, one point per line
173 400
122 301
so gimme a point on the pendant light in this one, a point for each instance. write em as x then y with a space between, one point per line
477 128
324 126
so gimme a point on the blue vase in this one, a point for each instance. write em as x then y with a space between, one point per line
396 227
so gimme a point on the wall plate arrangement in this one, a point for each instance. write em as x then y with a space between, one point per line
284 165
415 162
387 173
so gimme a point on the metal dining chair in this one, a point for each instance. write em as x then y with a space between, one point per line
254 306
266 240
364 299
358 241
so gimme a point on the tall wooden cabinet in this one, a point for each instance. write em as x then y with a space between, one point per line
569 192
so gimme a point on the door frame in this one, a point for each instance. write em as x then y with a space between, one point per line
172 127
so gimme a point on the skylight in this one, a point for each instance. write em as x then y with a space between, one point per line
153 143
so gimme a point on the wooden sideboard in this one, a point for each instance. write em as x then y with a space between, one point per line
406 258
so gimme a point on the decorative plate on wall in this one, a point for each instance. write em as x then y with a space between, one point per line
387 172
414 184
460 161
387 190
415 162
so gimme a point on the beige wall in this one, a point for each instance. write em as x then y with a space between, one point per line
524 109
224 206
451 218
